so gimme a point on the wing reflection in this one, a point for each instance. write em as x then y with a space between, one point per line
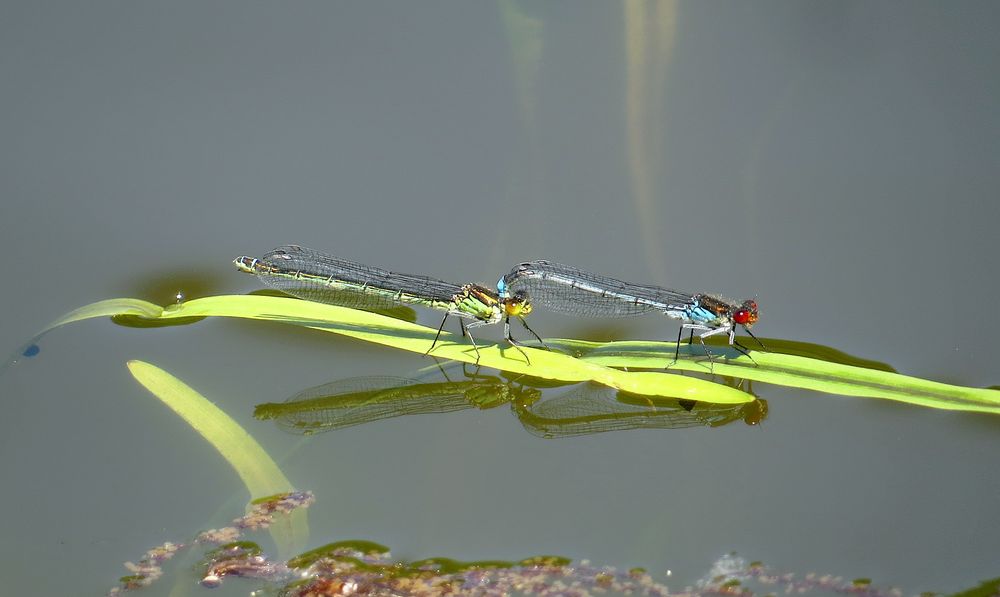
593 408
357 400
543 411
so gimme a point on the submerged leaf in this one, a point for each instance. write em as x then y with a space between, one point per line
255 467
108 308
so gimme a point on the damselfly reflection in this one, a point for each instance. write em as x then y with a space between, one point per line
543 410
358 400
592 408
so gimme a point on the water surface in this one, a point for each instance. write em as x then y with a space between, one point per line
838 161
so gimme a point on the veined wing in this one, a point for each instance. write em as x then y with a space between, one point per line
578 292
597 409
358 400
316 276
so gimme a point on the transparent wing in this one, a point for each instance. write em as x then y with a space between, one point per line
316 276
570 290
593 408
358 400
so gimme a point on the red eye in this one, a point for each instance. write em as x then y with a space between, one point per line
746 314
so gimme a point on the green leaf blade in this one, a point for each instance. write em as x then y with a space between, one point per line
258 471
610 363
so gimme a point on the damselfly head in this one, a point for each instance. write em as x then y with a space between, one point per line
755 412
245 264
746 314
517 304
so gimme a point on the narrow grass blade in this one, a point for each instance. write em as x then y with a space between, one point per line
598 362
794 371
379 329
108 308
404 335
254 466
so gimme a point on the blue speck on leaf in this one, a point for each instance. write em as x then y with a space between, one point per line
31 351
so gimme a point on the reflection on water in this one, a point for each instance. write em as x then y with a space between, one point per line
358 400
584 409
592 408
162 284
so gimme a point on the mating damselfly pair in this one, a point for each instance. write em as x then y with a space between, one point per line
316 276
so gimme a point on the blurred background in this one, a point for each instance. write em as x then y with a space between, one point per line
839 161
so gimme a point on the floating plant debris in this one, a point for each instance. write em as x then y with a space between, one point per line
366 568
733 575
238 558
344 570
332 550
232 556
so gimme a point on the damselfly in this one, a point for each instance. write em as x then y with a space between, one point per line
316 276
577 292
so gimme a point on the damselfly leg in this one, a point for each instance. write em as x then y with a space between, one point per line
465 332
